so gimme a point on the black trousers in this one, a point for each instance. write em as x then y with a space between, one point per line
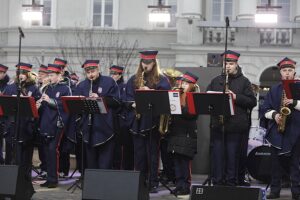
282 163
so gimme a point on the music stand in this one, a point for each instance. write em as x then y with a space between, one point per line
154 103
82 105
210 104
292 89
27 108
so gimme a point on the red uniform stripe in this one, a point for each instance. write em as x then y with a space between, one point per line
22 67
231 56
90 65
148 57
189 78
116 70
53 69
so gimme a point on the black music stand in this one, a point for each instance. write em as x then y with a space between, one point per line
82 105
153 103
210 104
8 107
27 108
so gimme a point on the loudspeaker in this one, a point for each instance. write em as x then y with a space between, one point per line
14 184
113 185
200 192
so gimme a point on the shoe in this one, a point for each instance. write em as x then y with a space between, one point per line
42 175
183 192
62 175
176 190
153 189
296 196
273 195
244 183
49 185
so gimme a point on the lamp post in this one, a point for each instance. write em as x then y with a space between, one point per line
160 13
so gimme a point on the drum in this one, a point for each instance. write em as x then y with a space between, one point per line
259 163
256 137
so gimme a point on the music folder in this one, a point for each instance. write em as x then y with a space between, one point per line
212 103
292 89
81 104
158 102
8 106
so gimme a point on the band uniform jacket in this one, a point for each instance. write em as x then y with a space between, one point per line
283 141
3 86
143 125
183 135
98 128
53 119
243 104
27 124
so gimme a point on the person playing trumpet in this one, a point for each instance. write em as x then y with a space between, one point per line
285 144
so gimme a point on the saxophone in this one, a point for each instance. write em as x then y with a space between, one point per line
141 84
284 112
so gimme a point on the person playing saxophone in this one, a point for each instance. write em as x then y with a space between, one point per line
147 77
285 143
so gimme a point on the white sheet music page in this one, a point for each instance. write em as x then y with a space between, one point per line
101 106
174 99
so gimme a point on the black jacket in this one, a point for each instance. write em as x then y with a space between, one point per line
243 104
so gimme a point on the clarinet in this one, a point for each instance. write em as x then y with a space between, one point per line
90 94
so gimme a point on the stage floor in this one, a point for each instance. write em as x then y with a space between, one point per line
61 191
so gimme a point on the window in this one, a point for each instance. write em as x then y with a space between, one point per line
283 12
103 13
47 11
221 9
173 12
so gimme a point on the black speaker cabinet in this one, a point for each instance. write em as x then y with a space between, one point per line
13 183
200 192
113 185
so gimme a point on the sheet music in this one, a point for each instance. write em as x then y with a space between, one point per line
174 99
101 106
231 101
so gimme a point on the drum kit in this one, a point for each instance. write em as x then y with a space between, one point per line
259 155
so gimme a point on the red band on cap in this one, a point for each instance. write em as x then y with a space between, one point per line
53 69
58 62
116 70
25 68
287 62
90 65
189 78
148 57
231 56
2 69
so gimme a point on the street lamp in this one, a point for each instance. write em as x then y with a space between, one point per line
32 12
267 14
160 13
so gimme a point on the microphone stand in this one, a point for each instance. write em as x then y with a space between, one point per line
17 116
208 180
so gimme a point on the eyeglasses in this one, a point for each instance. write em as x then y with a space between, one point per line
147 61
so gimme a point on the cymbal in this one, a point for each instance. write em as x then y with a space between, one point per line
171 72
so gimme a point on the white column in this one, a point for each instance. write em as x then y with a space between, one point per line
297 13
191 8
247 9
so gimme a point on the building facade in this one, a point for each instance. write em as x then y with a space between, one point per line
115 30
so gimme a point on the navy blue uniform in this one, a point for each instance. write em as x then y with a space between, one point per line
98 131
3 85
284 145
27 125
52 123
140 128
234 128
182 144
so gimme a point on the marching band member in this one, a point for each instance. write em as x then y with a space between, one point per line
53 121
123 156
64 149
4 79
233 127
21 143
182 142
283 132
147 77
98 131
